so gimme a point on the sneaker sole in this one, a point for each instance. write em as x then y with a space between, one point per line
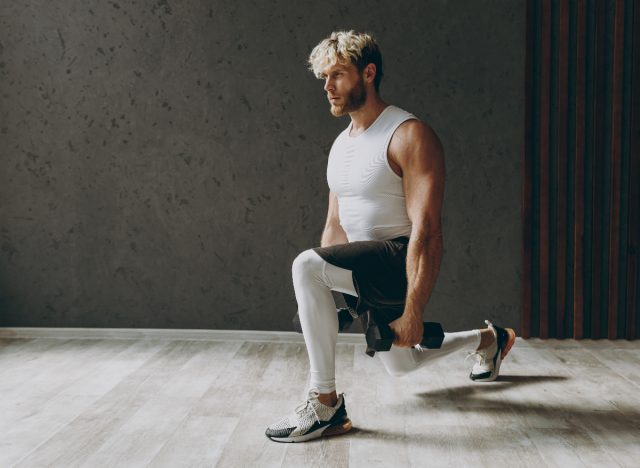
510 342
327 431
339 429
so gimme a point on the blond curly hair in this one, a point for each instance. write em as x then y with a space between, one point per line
360 49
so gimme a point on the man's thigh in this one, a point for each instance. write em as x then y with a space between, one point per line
378 269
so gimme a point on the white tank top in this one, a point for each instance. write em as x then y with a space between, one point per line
370 195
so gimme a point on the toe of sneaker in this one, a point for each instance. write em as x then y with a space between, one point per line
480 376
483 377
279 432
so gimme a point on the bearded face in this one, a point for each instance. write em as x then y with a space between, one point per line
351 100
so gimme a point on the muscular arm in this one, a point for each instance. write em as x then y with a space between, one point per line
333 233
417 150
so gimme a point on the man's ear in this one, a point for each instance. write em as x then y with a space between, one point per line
370 72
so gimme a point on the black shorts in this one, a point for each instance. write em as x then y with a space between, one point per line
379 273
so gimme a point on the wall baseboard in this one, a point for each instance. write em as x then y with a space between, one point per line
172 334
165 334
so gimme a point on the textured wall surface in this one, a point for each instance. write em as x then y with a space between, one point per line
162 163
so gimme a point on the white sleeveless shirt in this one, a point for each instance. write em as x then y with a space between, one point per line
370 195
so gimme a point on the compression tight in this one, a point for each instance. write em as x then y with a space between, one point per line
313 281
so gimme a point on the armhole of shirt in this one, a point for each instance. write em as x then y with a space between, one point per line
388 141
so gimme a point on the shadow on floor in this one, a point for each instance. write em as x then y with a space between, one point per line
482 388
568 421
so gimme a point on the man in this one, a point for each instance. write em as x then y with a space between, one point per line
382 241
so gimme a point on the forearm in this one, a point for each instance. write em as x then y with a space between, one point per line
424 256
333 235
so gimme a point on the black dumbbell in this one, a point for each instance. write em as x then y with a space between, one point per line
345 319
380 336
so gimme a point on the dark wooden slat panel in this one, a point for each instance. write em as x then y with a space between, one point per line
588 159
600 78
598 167
561 168
578 232
634 186
544 167
527 176
614 198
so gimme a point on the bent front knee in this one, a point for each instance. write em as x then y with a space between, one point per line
307 262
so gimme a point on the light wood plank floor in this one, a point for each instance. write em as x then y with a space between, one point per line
164 403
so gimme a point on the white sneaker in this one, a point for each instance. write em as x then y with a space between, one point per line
311 420
488 360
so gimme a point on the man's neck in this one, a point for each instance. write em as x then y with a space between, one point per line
366 115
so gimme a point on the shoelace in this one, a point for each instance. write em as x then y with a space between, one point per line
313 395
304 406
481 357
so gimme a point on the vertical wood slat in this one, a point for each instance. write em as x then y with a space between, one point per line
561 165
545 56
614 193
578 231
634 185
598 167
527 176
607 77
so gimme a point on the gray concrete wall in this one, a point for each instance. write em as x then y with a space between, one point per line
163 162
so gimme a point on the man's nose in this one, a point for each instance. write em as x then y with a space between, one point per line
328 84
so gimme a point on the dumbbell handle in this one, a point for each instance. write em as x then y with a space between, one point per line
380 336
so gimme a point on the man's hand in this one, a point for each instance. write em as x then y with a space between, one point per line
408 331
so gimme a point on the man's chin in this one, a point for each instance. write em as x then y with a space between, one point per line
337 111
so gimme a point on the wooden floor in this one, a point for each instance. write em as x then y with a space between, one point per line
163 403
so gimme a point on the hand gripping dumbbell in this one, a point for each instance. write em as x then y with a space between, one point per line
380 336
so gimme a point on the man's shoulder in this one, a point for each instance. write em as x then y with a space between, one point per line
412 134
409 126
414 128
401 112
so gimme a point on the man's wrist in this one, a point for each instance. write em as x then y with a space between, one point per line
413 313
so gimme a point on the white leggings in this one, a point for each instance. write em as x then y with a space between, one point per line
313 280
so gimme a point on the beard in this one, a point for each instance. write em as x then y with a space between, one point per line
355 100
